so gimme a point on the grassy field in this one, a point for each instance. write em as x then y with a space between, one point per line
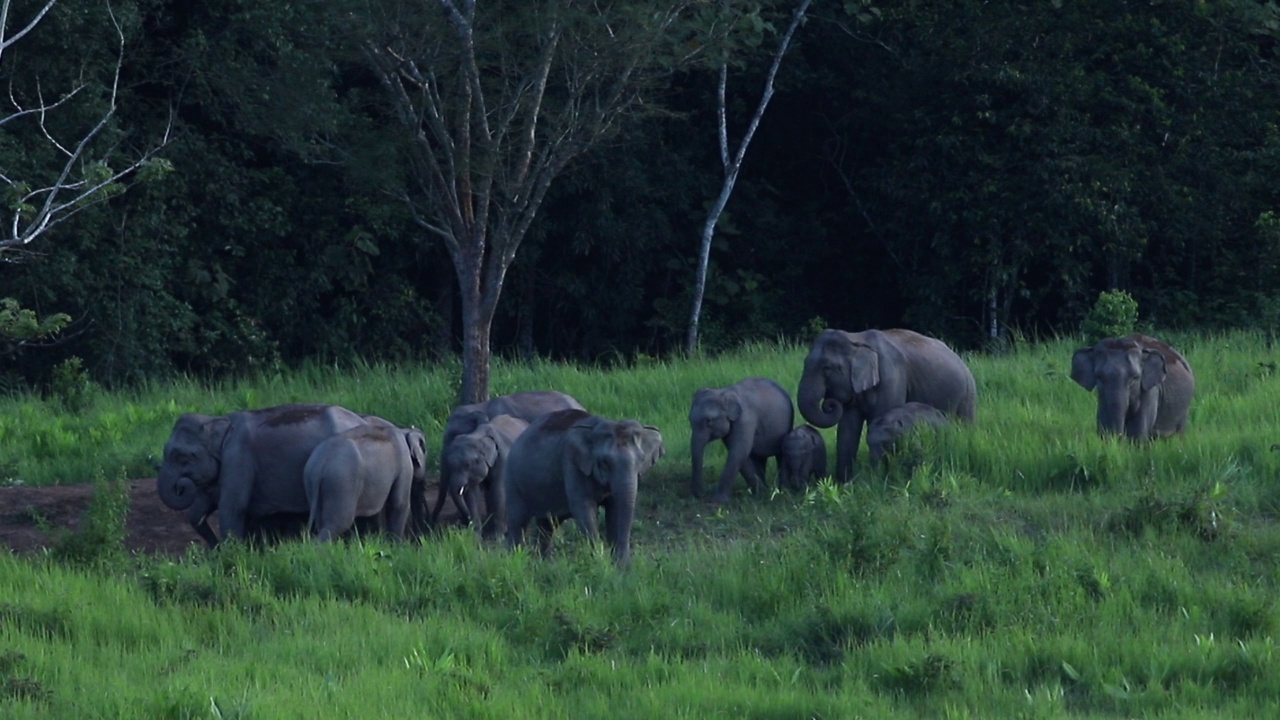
1021 567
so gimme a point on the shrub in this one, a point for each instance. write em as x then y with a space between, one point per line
1113 315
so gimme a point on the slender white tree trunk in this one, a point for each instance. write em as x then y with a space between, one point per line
731 166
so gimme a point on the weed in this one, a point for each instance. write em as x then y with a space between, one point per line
920 677
23 688
100 537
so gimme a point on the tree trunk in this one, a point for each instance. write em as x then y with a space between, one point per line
475 354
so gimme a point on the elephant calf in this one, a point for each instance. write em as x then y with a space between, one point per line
804 455
570 463
476 463
885 431
366 471
751 417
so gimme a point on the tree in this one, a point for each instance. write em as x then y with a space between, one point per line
69 169
495 99
732 164
80 171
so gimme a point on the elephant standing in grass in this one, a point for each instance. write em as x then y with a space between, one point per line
246 465
1144 386
885 431
804 456
751 417
367 471
854 378
476 463
569 463
527 406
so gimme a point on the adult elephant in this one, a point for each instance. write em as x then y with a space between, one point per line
527 406
854 378
570 463
751 417
476 463
246 465
368 471
1144 386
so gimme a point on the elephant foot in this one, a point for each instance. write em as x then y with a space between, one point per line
718 500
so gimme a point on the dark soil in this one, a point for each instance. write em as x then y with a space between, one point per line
152 527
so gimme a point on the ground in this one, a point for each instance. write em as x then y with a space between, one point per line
152 527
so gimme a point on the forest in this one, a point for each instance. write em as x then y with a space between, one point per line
975 170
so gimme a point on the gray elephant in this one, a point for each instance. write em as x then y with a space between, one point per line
1144 386
751 417
569 463
804 455
885 431
368 471
527 406
476 463
245 465
854 378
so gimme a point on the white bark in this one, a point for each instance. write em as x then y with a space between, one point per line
731 167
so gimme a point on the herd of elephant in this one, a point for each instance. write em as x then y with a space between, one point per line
540 457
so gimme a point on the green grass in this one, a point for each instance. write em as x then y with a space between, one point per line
1021 567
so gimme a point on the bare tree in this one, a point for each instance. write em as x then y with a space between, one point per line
84 174
497 98
732 164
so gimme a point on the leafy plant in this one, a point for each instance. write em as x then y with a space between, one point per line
71 384
1114 314
100 537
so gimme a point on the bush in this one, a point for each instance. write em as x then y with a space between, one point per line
1113 315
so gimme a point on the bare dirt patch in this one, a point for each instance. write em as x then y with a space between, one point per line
152 527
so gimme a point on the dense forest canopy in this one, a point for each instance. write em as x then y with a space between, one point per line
965 169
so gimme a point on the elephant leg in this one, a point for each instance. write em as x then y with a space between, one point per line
495 513
848 437
395 515
442 496
546 528
739 461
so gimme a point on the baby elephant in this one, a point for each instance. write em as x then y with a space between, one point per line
475 463
885 431
751 417
804 455
367 471
570 463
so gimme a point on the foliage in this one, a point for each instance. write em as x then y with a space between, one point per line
1114 314
99 539
71 386
19 325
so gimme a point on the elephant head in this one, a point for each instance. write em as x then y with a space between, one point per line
803 454
839 366
192 460
467 461
187 478
711 416
1127 374
613 455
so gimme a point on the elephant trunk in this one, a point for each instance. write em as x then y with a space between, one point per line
820 410
1112 408
620 519
178 493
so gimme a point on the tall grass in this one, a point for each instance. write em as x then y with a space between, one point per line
1018 567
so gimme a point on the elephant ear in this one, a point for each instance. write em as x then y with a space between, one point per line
578 442
1082 368
213 435
1153 369
864 368
489 446
651 446
417 443
732 406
